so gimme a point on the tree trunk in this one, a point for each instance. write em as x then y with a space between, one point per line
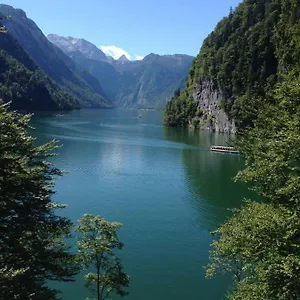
98 284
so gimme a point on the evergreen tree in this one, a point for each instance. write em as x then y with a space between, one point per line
32 241
260 244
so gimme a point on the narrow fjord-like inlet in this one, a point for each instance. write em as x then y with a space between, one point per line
159 108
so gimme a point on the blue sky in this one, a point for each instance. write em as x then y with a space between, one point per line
136 27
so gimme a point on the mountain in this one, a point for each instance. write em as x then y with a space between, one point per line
122 60
110 58
77 47
238 65
148 83
24 84
151 81
76 81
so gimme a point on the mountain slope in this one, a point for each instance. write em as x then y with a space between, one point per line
237 66
79 83
139 84
74 47
155 78
24 84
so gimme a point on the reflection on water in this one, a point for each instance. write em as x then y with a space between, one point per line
202 139
163 184
209 175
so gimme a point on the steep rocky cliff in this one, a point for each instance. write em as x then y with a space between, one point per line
238 65
209 100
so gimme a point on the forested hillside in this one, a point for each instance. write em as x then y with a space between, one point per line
24 84
238 64
259 246
75 81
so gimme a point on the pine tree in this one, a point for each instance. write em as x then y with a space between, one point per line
32 240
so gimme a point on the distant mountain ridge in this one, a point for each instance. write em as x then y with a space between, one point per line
123 59
91 78
138 84
76 81
73 46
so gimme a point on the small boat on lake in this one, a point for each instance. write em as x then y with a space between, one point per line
225 149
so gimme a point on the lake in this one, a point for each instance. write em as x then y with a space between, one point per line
163 184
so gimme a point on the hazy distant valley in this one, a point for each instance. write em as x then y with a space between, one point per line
74 73
145 83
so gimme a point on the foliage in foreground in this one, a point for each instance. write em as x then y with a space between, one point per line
97 244
32 240
260 244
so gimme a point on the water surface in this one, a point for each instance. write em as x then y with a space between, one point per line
163 184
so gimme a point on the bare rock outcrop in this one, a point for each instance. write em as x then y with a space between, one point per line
213 117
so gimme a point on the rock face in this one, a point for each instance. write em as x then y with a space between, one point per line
244 58
85 88
122 59
210 102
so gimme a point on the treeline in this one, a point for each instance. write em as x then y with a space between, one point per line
242 58
260 245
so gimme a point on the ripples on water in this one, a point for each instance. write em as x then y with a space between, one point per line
164 185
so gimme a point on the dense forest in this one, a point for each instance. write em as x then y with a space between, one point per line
24 84
259 245
243 59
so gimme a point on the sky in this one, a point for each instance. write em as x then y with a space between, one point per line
131 27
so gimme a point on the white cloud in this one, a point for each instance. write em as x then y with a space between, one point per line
138 57
117 52
114 51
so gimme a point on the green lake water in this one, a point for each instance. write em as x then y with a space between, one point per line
163 184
